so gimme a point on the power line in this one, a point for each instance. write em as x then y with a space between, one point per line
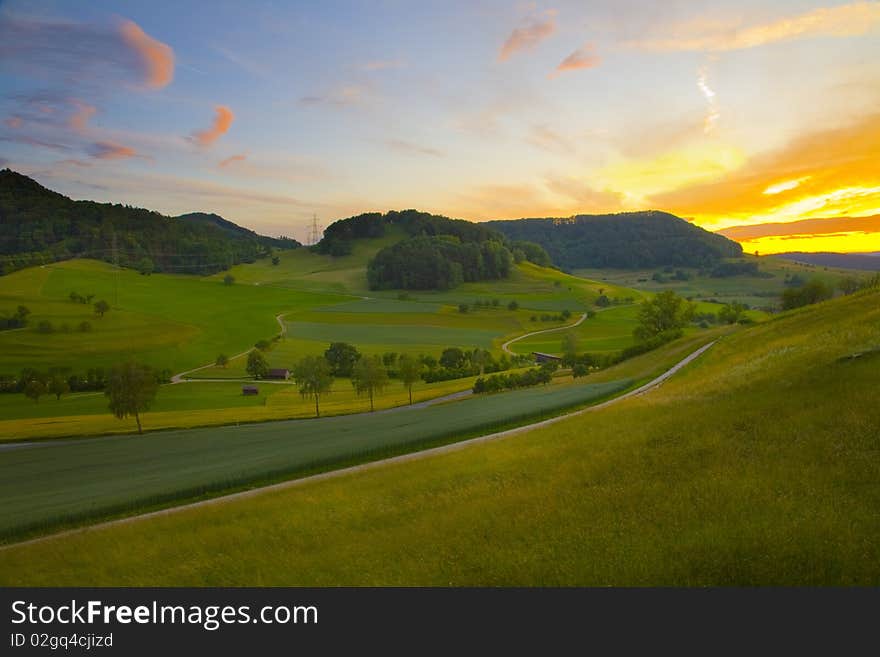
315 232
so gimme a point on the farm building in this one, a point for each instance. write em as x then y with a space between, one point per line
545 358
250 390
278 373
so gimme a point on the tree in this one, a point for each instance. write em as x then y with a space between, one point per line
84 327
222 361
811 292
229 279
369 376
275 260
45 326
58 386
452 357
480 357
513 305
666 311
34 389
101 307
342 358
257 366
146 266
21 314
410 370
731 313
569 346
313 376
131 388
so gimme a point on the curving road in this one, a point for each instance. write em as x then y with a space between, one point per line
506 345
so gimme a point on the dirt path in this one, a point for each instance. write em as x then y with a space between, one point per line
412 456
506 345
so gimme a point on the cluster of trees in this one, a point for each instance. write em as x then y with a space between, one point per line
813 291
16 320
743 268
532 377
665 312
437 263
59 381
630 240
39 226
547 317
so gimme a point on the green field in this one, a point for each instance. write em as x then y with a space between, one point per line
756 465
169 321
756 291
48 484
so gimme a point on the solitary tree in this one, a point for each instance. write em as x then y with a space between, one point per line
229 279
731 313
257 366
101 307
222 361
342 357
34 389
664 312
131 388
513 305
569 347
410 371
369 376
275 260
146 266
313 376
58 386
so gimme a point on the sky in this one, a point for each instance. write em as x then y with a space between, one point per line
758 119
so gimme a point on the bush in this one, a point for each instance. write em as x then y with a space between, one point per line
84 327
45 326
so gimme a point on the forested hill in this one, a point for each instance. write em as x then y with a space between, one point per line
628 240
234 230
434 252
38 226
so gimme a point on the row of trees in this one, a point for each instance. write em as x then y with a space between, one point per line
16 320
531 377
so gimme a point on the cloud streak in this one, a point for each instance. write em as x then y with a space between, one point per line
156 59
108 150
853 19
232 159
582 58
223 118
527 37
410 148
712 111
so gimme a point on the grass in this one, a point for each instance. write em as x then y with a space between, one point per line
52 484
756 465
198 404
168 321
757 291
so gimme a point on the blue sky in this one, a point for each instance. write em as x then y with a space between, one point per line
266 112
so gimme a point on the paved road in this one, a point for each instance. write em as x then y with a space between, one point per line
396 459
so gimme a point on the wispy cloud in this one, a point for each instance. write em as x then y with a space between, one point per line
155 58
14 122
223 118
827 226
586 198
410 148
81 115
530 35
546 138
342 96
232 159
82 53
382 64
842 21
712 111
107 150
40 143
582 58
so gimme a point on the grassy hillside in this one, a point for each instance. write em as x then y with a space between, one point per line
756 465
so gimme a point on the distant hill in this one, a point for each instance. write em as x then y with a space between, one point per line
236 231
38 226
628 240
864 261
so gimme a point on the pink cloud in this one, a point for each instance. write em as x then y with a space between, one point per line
222 120
581 58
80 118
526 38
13 122
107 150
156 59
231 160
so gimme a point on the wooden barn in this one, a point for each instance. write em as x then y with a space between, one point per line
279 373
250 390
545 358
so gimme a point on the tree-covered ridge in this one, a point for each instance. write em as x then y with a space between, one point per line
38 226
339 235
625 240
437 263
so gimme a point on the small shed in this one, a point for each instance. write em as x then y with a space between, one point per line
250 390
545 358
279 373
